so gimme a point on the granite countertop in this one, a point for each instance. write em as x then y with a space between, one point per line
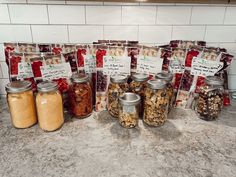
185 146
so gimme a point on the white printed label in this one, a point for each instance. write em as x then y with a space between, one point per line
90 64
116 65
203 67
129 109
176 66
50 72
24 71
149 65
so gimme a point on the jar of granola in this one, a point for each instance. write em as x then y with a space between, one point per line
118 86
129 109
138 85
155 103
21 104
49 106
80 95
210 100
169 87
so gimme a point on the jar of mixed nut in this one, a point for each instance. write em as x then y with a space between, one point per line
138 86
129 109
210 100
80 94
49 106
169 87
155 103
118 86
21 104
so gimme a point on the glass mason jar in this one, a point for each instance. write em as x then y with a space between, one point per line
118 86
129 104
169 87
210 100
21 104
138 86
49 106
80 95
155 103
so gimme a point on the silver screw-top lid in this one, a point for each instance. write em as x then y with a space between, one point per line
140 77
18 86
80 78
129 99
164 76
214 80
47 86
118 79
156 84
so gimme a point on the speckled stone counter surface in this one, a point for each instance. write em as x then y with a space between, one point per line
97 146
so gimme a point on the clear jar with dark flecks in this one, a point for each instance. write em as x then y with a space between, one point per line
155 103
118 86
169 87
210 100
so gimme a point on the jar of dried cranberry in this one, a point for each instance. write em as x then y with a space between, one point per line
80 95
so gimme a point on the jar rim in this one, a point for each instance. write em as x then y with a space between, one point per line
47 86
214 80
129 99
18 86
80 78
139 77
118 78
156 84
165 76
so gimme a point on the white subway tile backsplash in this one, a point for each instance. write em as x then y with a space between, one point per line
3 83
1 72
50 33
232 82
220 34
28 14
13 1
188 32
2 55
9 33
231 48
173 14
4 68
232 69
142 15
4 16
66 14
46 1
124 3
230 15
155 34
85 34
121 32
103 15
85 2
207 15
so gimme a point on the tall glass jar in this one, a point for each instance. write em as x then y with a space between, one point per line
169 87
155 103
21 104
49 106
210 100
80 95
138 85
118 86
129 109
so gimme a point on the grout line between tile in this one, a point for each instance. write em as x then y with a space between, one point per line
191 13
48 15
156 14
204 36
9 14
68 33
224 15
31 32
171 35
85 14
121 14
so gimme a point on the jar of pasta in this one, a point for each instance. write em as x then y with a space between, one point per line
80 95
21 104
138 85
169 87
129 109
49 106
155 103
118 86
210 100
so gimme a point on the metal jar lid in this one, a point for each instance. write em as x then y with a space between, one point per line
47 86
129 99
18 86
156 84
214 80
165 76
118 79
140 77
80 78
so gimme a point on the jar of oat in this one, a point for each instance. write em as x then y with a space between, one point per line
129 104
138 85
80 95
118 86
49 106
21 104
155 103
210 100
169 87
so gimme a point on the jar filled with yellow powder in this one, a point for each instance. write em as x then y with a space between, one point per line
49 106
21 104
